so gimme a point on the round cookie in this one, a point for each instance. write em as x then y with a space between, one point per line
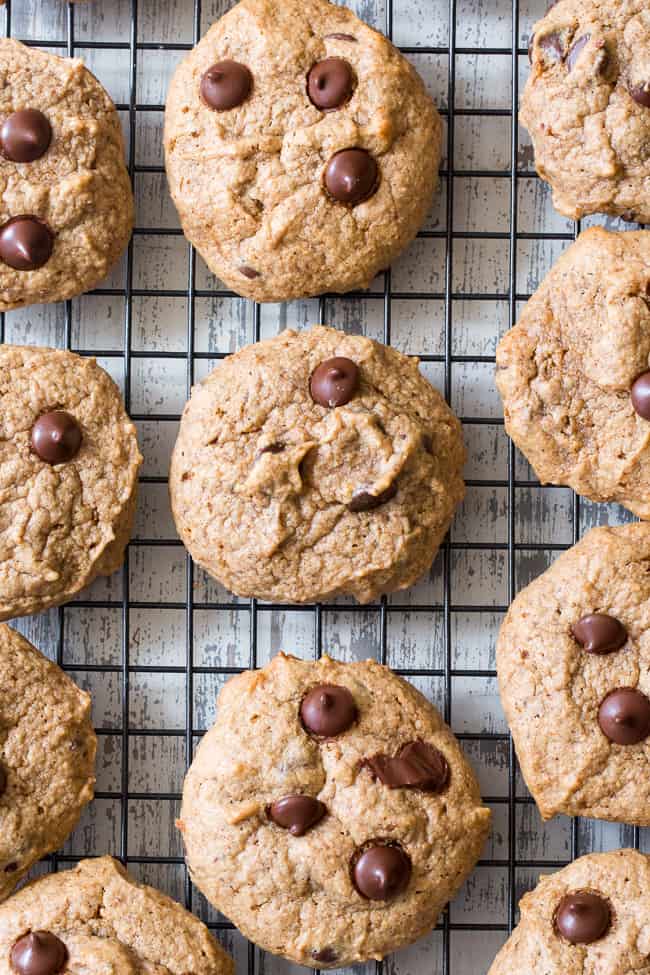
301 148
314 464
66 207
47 757
69 464
591 916
96 919
587 106
573 371
573 675
330 812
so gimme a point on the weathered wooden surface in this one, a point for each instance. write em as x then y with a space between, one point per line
145 725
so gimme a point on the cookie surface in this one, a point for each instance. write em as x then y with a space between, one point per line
254 118
569 372
69 464
62 172
96 919
393 810
587 106
291 484
616 887
47 757
574 680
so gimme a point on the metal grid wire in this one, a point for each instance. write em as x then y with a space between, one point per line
516 871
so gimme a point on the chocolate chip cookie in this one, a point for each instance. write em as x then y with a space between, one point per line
69 464
313 464
96 919
587 106
47 757
571 659
66 207
330 812
574 373
301 147
592 916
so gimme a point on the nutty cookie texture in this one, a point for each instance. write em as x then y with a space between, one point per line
301 147
591 916
574 372
314 464
587 106
69 464
330 812
66 207
47 757
96 919
573 675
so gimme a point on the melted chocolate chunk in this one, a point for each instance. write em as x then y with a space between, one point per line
363 501
249 272
416 766
640 395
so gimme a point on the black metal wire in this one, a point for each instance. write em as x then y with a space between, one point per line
446 608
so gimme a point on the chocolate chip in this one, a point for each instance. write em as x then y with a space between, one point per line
381 872
25 243
56 437
427 443
328 710
226 85
3 781
641 94
624 716
326 955
342 37
351 176
25 136
599 633
11 867
576 50
363 501
551 45
334 382
330 83
249 272
38 953
582 917
296 813
640 395
416 766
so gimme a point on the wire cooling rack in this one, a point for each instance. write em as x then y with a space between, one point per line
154 643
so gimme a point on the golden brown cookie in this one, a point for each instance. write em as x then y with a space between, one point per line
574 373
301 148
97 920
592 916
330 812
575 688
47 757
314 464
66 207
587 106
69 463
